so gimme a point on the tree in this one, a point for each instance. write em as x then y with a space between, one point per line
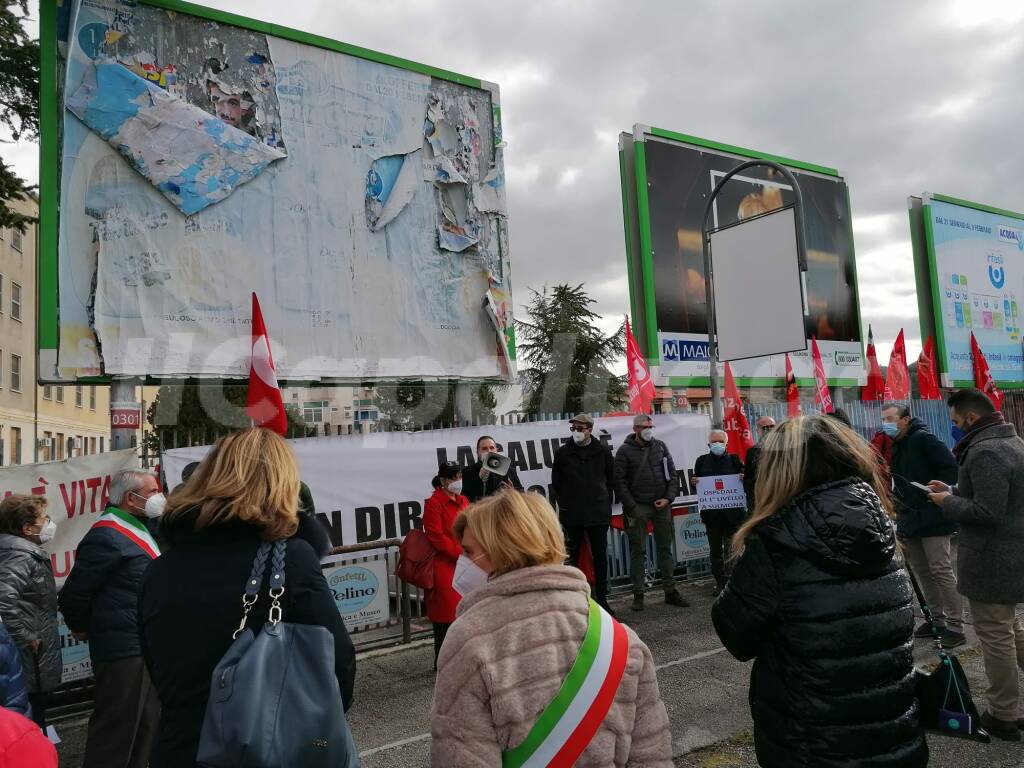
415 404
570 358
19 101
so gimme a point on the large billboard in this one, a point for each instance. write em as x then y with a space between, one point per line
969 265
191 156
667 178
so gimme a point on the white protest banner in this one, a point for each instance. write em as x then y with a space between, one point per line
76 490
720 492
372 487
360 589
691 537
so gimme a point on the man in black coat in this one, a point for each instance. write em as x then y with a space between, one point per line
477 482
720 524
918 456
765 425
582 478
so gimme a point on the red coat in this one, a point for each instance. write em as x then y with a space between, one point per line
438 517
22 744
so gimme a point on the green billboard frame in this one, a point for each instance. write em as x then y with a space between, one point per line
647 336
47 268
932 284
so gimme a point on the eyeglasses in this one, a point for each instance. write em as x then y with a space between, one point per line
767 427
578 428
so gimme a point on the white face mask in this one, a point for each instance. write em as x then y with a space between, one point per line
47 532
468 576
579 437
647 434
455 486
155 505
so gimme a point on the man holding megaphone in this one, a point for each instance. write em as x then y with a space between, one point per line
491 473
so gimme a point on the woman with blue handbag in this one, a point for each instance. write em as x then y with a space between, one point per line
231 554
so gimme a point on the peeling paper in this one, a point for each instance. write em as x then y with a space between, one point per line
456 231
390 187
447 173
194 159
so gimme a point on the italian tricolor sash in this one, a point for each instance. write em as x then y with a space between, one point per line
566 726
130 527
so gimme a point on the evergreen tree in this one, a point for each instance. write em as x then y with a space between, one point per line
19 101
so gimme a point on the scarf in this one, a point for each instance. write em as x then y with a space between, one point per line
992 420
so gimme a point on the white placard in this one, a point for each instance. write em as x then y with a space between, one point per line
360 589
720 492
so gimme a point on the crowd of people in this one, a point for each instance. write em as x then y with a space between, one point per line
811 583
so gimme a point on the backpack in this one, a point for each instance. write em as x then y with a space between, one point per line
416 560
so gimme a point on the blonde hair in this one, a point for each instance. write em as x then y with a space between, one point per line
516 530
250 476
803 453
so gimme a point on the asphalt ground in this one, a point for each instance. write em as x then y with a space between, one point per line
703 687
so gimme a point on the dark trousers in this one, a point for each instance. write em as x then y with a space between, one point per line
721 528
124 716
38 702
597 535
440 630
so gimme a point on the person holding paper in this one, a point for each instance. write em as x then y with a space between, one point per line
721 524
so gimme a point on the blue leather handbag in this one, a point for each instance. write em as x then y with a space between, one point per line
274 698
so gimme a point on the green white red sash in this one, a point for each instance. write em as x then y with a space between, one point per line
567 725
131 527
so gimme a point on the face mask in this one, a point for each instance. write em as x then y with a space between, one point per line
155 505
455 486
47 532
890 428
718 448
468 576
647 434
579 437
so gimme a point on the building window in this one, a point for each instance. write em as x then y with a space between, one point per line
313 411
47 392
15 302
1 294
60 446
60 394
48 446
15 373
17 240
78 395
92 407
15 445
103 444
92 445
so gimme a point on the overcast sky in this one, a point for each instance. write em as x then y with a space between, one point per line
903 98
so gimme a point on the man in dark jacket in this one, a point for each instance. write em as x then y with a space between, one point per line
765 425
646 482
988 504
582 477
100 600
477 482
721 524
917 457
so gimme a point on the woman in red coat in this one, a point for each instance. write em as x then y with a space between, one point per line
438 516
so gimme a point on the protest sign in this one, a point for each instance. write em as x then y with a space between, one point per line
720 492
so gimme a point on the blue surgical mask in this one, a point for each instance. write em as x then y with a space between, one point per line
891 428
717 448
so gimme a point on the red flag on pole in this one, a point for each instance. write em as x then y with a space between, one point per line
822 397
737 428
263 403
927 374
875 387
983 376
792 391
897 376
641 388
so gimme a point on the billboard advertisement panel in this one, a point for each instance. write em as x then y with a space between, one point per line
673 176
190 157
975 276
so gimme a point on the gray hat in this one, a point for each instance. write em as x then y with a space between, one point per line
582 418
640 419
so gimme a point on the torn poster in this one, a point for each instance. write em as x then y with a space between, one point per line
390 186
498 306
194 159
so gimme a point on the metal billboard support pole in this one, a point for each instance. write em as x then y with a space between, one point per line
717 415
122 391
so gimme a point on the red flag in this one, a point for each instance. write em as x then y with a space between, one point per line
897 376
792 391
641 388
737 428
822 397
983 376
875 388
264 404
927 375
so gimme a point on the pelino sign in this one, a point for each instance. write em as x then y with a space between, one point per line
360 588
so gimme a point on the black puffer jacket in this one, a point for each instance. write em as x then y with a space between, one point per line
582 479
644 473
919 456
28 606
821 601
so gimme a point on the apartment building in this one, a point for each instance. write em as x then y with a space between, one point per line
334 410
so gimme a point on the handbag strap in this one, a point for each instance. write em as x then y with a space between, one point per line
274 552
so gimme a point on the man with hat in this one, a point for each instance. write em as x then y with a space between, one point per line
582 479
646 481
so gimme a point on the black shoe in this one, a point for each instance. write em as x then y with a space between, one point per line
638 602
674 598
719 586
952 639
925 630
1007 730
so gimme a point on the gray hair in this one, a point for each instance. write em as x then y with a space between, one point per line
714 432
902 408
124 482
